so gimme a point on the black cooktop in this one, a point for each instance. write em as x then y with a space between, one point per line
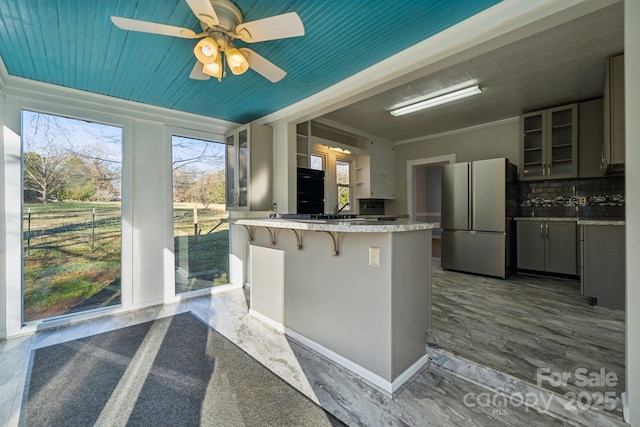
317 216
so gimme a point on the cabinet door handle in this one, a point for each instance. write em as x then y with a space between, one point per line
547 228
549 169
541 231
544 169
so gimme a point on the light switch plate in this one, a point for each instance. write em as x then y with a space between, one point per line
374 256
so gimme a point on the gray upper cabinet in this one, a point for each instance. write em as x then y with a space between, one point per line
249 171
590 138
549 143
613 146
547 246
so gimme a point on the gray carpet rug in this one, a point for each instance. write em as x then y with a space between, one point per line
175 371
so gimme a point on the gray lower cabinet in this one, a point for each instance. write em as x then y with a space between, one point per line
547 246
603 264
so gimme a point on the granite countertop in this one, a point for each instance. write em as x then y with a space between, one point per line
580 221
390 216
356 225
600 222
545 218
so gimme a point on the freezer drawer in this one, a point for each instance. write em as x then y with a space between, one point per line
475 252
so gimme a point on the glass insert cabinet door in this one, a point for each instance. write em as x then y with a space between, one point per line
243 167
562 152
231 170
549 143
533 145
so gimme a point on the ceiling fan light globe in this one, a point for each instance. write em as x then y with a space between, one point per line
238 63
214 69
206 50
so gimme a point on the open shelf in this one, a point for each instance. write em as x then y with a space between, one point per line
563 126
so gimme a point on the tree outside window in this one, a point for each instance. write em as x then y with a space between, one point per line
343 179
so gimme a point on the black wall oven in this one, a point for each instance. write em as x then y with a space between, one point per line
310 191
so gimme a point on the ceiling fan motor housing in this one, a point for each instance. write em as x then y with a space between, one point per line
229 16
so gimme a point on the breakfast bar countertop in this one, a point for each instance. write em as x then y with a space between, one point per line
355 225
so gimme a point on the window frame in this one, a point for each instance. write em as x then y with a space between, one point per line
349 162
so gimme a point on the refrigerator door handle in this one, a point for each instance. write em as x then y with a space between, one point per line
470 221
542 231
547 227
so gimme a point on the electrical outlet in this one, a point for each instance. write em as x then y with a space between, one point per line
374 256
582 201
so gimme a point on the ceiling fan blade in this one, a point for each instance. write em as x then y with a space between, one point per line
204 11
272 28
196 72
263 66
152 27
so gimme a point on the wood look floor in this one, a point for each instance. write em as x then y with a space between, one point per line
525 323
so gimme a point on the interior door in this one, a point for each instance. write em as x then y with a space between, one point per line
455 197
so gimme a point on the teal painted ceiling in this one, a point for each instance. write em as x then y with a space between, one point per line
73 43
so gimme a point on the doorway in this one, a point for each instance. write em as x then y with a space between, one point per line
424 193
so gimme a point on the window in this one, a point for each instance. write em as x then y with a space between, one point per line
71 215
343 179
201 238
317 161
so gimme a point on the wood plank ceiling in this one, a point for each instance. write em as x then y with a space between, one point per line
72 43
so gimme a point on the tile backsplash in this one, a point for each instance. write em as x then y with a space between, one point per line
604 198
371 206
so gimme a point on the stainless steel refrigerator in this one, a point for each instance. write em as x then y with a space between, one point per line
478 206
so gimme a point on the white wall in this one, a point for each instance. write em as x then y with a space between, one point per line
494 140
147 225
3 252
632 172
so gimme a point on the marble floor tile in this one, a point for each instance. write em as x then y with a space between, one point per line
499 323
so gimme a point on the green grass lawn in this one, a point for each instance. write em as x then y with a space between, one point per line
72 263
203 261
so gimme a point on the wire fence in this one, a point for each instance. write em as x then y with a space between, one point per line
74 230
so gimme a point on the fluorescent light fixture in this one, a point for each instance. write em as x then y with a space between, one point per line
438 100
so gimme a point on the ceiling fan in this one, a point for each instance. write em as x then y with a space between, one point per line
221 22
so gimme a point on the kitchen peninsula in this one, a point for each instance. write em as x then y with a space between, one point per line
358 292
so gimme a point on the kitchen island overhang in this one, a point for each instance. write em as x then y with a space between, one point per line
313 280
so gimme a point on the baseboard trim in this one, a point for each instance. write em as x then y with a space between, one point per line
279 327
389 387
371 377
